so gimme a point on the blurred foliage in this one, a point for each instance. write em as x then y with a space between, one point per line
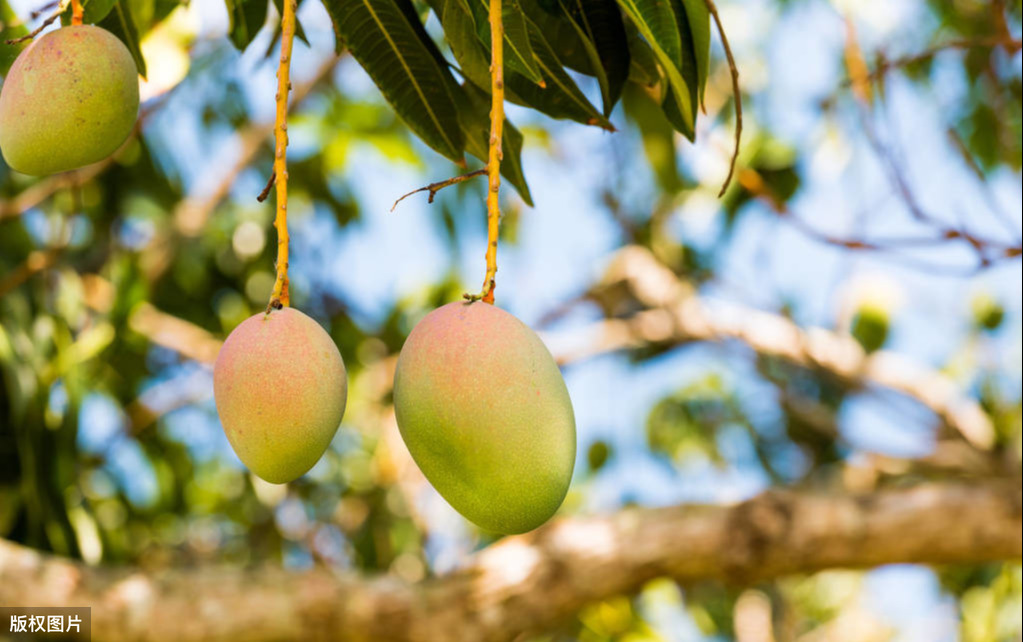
149 481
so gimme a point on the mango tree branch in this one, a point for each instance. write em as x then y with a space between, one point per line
280 297
494 157
674 315
532 582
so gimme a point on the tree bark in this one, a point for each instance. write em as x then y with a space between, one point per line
530 582
675 315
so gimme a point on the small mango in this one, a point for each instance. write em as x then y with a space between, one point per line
280 387
70 99
485 412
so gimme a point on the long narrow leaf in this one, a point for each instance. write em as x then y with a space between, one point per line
602 32
388 45
518 52
657 22
245 19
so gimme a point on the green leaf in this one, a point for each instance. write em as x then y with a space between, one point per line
643 68
561 98
699 29
600 27
245 19
390 43
474 114
473 97
658 24
560 33
121 23
93 11
11 27
518 51
690 75
657 133
460 34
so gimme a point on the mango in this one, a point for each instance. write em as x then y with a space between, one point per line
280 387
486 415
70 99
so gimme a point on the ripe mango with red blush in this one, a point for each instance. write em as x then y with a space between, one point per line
70 99
486 415
280 387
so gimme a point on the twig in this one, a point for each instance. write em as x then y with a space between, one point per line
736 93
1010 44
35 32
35 13
433 188
36 261
978 173
77 12
754 183
494 157
269 185
280 297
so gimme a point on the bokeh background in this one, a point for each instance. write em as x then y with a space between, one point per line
866 138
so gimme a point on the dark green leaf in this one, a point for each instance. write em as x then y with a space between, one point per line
246 18
518 52
657 22
95 10
460 33
474 115
390 43
603 34
121 23
561 98
690 75
643 68
699 30
11 27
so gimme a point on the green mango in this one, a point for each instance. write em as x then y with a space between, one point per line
70 99
280 387
485 412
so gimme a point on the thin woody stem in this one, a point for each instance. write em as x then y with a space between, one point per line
61 7
494 158
280 297
433 188
736 93
77 12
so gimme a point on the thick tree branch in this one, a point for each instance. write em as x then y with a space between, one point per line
676 316
531 582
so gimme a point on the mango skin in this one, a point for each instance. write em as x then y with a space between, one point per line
485 412
70 99
280 387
